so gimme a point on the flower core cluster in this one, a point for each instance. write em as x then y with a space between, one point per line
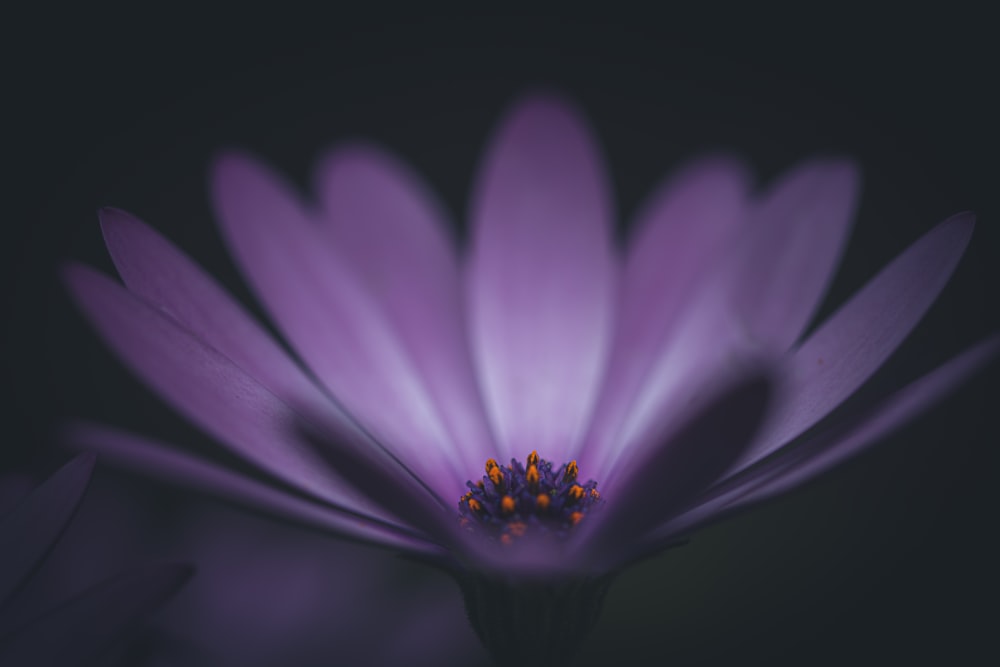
509 501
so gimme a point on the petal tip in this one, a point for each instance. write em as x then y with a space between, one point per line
955 231
82 464
75 275
113 214
231 164
115 221
966 220
543 110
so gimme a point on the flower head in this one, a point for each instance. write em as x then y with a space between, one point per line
621 397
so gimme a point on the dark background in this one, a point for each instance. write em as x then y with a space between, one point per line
890 560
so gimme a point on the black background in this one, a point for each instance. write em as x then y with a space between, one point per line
889 560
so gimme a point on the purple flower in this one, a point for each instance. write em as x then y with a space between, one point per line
620 397
86 625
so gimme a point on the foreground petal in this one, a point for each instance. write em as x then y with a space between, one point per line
794 466
29 531
375 472
160 273
85 626
657 486
168 463
679 238
541 278
829 450
846 349
324 310
204 386
383 221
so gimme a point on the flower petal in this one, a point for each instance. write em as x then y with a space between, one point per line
379 475
156 270
846 349
168 463
790 250
205 386
794 466
845 441
83 627
384 221
324 310
542 277
655 487
680 235
29 530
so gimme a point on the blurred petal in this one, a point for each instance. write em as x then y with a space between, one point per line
88 624
542 277
678 240
35 524
692 458
168 463
790 250
327 603
204 386
383 220
846 349
323 308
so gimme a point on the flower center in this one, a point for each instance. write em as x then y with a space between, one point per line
510 501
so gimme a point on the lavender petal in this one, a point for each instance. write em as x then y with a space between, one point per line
542 277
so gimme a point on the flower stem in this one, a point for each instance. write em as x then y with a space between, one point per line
532 621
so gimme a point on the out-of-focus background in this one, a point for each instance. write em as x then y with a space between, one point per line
889 560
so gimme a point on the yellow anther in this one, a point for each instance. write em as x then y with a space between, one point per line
575 517
474 505
532 459
496 476
491 464
532 476
517 528
480 484
576 492
594 494
542 501
572 469
507 504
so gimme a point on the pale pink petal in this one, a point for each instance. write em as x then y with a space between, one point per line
542 278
